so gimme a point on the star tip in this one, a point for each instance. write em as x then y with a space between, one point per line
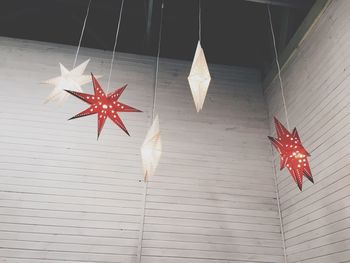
74 117
127 132
276 121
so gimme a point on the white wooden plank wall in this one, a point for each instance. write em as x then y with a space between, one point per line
65 197
317 88
213 199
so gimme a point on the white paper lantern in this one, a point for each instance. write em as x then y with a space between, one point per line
199 78
151 149
69 80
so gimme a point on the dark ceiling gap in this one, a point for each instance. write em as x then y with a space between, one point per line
235 32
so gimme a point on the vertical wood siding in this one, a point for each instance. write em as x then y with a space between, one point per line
317 88
65 197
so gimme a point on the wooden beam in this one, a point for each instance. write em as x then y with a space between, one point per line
285 3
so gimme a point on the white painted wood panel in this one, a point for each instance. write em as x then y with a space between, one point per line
316 220
188 217
65 197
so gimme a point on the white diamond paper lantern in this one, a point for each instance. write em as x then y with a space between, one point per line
151 149
199 78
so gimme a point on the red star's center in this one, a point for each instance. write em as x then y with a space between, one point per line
103 105
298 158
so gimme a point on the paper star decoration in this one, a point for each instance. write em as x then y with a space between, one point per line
292 153
103 105
151 150
199 78
71 80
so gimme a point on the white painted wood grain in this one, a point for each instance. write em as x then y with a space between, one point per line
66 197
316 221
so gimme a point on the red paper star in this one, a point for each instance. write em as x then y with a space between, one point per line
292 153
104 106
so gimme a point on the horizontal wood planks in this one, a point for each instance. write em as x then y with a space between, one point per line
317 89
65 197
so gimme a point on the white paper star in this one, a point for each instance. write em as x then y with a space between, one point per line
69 80
199 78
151 149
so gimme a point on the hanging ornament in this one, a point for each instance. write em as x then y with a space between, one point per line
199 78
151 150
72 80
292 153
103 105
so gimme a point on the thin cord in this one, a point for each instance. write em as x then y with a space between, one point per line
115 44
279 207
157 62
81 34
199 21
278 67
273 161
142 224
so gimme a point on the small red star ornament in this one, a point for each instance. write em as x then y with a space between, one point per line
292 153
103 105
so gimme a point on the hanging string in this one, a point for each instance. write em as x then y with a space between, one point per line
278 67
286 114
115 44
199 21
157 61
142 224
81 34
279 208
